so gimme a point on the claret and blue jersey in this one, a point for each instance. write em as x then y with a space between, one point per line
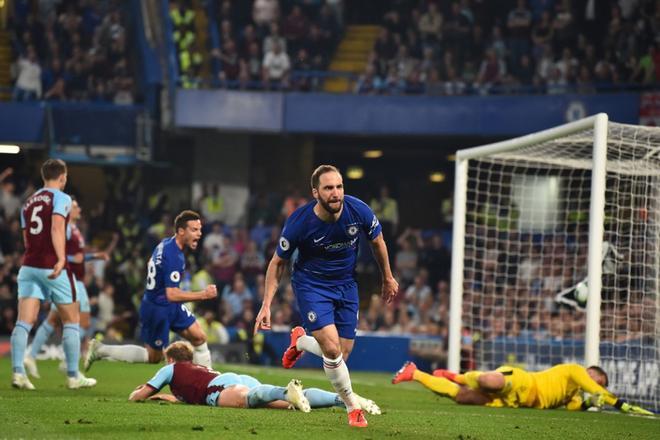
40 257
324 270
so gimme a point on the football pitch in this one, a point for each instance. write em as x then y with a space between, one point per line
409 411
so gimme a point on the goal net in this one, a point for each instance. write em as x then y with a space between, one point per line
556 254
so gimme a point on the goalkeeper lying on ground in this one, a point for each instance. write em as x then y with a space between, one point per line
561 385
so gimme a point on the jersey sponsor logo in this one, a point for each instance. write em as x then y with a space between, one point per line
352 230
39 198
175 277
316 240
284 244
311 317
341 246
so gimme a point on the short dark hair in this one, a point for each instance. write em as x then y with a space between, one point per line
319 171
52 169
180 351
181 220
600 371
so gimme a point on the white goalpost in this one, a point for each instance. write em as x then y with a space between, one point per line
556 254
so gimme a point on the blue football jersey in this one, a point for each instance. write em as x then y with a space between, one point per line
165 269
327 250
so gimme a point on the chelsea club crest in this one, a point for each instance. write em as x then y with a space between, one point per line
352 230
311 317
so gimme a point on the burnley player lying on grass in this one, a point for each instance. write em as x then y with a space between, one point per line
195 384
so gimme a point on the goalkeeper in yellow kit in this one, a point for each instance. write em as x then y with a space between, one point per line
511 387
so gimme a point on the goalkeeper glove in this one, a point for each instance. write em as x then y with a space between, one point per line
593 402
625 407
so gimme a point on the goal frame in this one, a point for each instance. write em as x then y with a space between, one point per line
599 124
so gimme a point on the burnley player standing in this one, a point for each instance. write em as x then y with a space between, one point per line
162 307
44 275
326 232
76 257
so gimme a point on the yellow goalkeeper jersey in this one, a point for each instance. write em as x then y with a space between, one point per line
558 386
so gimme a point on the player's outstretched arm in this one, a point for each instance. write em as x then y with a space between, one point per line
600 396
142 392
174 294
274 274
390 285
580 376
165 397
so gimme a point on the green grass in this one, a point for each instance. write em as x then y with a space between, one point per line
409 411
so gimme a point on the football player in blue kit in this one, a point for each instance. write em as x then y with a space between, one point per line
326 232
162 307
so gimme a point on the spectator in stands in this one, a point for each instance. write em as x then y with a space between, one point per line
234 297
53 81
430 25
328 24
265 12
225 264
202 278
406 258
214 241
28 73
542 35
252 62
10 203
246 40
183 21
212 203
418 291
563 25
394 83
106 307
369 84
292 201
567 66
523 71
274 37
492 71
434 84
436 258
276 67
295 27
386 208
230 63
385 47
316 47
215 332
252 264
519 23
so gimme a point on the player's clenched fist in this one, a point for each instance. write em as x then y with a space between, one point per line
211 291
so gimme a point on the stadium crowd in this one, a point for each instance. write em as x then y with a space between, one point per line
76 49
535 46
505 297
73 50
263 42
